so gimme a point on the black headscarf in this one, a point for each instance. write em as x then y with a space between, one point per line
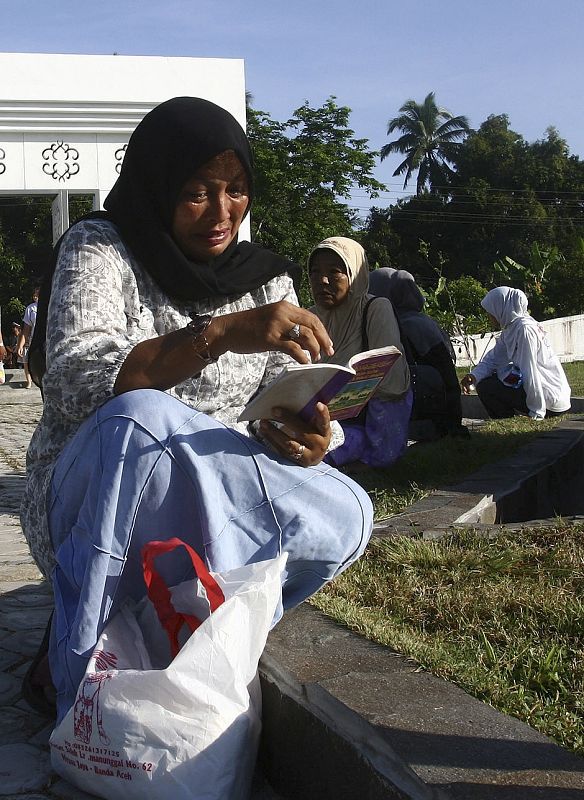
419 331
169 145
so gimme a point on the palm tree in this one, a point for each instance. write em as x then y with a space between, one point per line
429 138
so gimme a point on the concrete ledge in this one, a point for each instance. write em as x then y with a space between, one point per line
314 746
347 718
542 479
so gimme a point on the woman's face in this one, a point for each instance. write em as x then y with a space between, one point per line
328 277
210 208
495 324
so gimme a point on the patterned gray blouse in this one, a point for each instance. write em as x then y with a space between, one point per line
102 305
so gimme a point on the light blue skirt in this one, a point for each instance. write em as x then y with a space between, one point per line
146 466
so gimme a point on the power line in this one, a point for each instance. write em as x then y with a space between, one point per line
467 191
466 217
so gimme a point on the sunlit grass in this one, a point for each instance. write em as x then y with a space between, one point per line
502 617
430 465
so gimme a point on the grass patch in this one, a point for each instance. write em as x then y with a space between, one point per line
575 375
430 465
501 617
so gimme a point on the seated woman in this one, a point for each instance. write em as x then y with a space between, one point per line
339 274
160 326
437 407
521 374
13 346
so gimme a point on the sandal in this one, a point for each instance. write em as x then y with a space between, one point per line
37 685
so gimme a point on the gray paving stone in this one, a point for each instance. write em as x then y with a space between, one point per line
9 522
18 725
8 658
12 535
41 739
14 573
10 539
25 796
21 670
20 599
21 585
24 642
17 558
25 619
34 587
23 768
9 688
63 790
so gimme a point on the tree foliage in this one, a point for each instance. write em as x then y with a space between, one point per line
26 243
305 169
513 212
429 139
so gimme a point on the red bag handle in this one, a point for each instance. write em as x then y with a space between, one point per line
159 593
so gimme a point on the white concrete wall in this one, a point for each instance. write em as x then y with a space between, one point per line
65 119
566 335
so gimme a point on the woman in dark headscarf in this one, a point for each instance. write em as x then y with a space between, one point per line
437 405
159 294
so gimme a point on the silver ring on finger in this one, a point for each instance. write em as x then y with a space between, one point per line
299 453
294 332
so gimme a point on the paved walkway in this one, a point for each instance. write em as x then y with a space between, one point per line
25 605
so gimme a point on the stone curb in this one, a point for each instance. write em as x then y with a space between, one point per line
541 476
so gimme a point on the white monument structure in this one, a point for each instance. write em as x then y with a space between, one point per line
65 120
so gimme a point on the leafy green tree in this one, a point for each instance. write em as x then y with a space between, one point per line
26 243
408 236
513 194
378 237
508 202
429 139
305 169
25 246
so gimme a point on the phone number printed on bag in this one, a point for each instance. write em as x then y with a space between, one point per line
102 762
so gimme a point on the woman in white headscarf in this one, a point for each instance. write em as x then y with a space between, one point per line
521 374
356 321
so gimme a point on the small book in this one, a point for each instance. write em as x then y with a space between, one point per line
344 389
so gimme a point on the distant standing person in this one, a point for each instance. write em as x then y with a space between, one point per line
521 374
28 323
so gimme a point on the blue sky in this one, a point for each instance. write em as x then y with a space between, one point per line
519 57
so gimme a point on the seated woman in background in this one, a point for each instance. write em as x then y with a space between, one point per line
437 407
521 374
158 327
355 321
12 347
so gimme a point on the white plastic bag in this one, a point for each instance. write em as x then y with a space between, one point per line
188 731
2 372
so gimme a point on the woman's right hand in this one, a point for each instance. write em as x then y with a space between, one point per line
270 327
167 360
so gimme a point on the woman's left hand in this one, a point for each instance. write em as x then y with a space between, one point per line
305 443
